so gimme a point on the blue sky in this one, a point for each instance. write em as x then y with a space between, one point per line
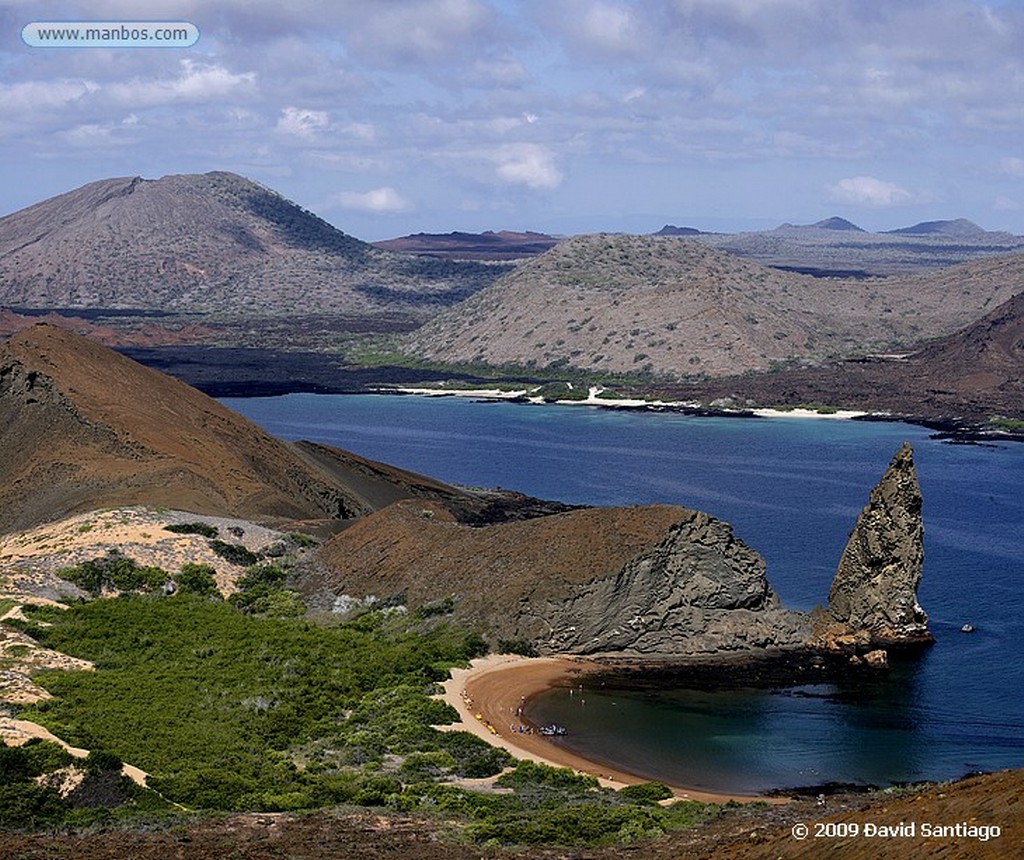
396 116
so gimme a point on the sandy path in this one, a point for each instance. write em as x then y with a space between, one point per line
495 687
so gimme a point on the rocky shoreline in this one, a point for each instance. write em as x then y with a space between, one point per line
250 372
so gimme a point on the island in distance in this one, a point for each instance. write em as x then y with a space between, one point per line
224 283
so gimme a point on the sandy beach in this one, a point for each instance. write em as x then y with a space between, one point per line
489 694
594 398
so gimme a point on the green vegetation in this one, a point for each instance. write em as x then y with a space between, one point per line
197 579
556 806
261 592
203 529
1011 425
230 708
233 711
113 572
234 553
522 647
561 391
29 798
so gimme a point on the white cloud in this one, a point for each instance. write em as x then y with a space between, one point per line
526 164
302 122
102 135
196 83
43 95
869 191
418 31
609 27
1005 204
1013 167
379 200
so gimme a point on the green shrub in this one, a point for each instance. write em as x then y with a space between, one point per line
474 757
32 759
27 805
646 792
522 647
197 579
533 774
234 553
203 529
113 572
264 574
100 761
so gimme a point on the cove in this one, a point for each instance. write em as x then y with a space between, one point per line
792 489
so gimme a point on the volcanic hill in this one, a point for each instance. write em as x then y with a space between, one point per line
84 427
970 377
214 243
675 307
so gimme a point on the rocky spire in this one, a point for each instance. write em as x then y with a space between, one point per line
875 586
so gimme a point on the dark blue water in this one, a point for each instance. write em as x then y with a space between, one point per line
792 489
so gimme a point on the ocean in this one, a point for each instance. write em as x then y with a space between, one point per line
792 489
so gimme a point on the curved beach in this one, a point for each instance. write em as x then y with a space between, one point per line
489 694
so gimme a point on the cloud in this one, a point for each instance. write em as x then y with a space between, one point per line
379 200
102 135
528 164
302 122
1005 204
196 83
868 191
1013 167
418 32
32 96
610 27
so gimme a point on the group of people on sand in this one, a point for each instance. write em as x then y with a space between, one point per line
521 727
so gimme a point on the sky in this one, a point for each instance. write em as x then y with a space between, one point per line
389 117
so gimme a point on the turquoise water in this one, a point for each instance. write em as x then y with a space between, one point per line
792 489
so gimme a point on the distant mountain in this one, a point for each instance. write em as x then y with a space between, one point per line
84 427
213 243
837 223
675 307
502 245
672 230
958 228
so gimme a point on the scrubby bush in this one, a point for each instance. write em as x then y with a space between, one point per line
234 553
646 792
197 579
522 647
204 529
113 572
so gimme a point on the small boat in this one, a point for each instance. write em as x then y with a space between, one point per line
553 731
967 628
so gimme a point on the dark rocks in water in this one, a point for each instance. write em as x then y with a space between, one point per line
873 599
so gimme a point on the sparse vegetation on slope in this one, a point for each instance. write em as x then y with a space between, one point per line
215 243
673 307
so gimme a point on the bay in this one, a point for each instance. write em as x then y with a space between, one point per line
792 489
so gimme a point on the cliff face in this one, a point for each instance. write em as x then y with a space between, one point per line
658 580
698 591
875 587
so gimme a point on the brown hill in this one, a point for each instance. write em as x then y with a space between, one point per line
84 427
215 243
661 580
973 376
675 307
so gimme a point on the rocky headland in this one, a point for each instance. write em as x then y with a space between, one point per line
661 583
